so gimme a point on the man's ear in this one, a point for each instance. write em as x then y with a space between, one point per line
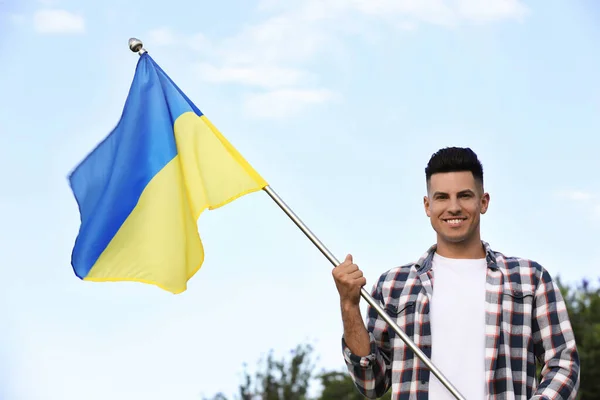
485 202
426 205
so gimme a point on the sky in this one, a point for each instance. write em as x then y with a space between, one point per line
338 104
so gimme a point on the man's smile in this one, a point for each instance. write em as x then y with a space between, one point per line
455 221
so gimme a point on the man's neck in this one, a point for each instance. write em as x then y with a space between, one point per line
467 250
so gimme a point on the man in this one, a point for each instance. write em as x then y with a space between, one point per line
481 317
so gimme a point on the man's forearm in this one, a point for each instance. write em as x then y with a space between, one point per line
355 334
560 378
555 343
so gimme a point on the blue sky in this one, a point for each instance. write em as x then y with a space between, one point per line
338 104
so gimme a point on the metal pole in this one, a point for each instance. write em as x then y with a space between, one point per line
137 46
365 295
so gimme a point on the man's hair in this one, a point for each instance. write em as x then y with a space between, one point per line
454 159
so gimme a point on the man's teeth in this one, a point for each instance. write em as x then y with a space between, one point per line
454 221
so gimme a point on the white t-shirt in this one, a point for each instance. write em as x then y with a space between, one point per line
457 312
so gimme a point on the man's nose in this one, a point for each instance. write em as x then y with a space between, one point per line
454 206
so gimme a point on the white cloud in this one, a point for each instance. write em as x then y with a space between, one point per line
439 12
162 37
284 103
436 12
276 54
583 199
491 10
200 43
262 75
286 38
58 21
299 31
165 36
576 195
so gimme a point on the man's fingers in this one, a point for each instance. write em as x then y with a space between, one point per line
344 269
359 280
348 273
357 273
352 268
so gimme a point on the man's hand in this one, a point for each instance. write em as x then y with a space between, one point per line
349 280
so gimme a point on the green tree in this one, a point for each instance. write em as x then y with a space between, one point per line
281 379
291 378
218 396
338 385
583 304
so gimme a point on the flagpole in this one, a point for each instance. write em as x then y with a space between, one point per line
365 295
137 46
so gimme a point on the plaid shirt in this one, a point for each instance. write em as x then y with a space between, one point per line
526 319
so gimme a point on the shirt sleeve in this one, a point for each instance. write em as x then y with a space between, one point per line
554 343
372 373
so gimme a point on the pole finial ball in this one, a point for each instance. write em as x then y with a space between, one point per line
135 45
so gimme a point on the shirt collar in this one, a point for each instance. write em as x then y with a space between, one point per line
425 262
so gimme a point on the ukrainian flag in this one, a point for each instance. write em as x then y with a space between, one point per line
142 190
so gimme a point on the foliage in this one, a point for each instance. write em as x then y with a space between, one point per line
280 379
338 385
292 379
583 304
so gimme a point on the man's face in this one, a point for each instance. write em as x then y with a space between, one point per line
454 203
